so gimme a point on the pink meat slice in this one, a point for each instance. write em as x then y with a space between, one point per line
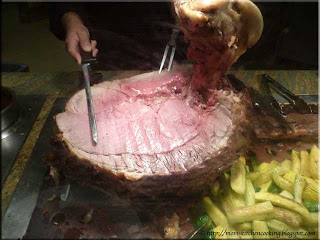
132 127
149 124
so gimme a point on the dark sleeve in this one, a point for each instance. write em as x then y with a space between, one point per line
56 11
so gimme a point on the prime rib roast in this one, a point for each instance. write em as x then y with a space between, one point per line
157 138
169 135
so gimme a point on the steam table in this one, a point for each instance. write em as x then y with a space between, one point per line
51 86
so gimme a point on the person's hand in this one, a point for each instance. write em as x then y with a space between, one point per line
77 35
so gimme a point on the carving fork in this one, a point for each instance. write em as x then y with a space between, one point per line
171 43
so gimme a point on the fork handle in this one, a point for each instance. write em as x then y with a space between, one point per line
87 57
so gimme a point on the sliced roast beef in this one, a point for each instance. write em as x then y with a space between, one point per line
156 136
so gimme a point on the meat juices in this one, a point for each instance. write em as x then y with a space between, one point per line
158 139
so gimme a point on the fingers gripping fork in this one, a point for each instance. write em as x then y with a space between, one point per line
172 43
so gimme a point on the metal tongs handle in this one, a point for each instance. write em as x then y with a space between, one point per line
300 105
270 97
260 100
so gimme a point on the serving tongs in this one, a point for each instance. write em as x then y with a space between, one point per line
270 97
171 43
87 59
298 104
260 101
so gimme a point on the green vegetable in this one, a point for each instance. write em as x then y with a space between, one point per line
198 221
214 212
256 187
309 150
238 177
273 188
249 197
311 205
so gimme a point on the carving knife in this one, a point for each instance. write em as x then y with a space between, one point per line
86 60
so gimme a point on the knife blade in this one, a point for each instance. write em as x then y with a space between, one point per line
86 60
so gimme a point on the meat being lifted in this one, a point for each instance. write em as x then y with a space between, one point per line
169 135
